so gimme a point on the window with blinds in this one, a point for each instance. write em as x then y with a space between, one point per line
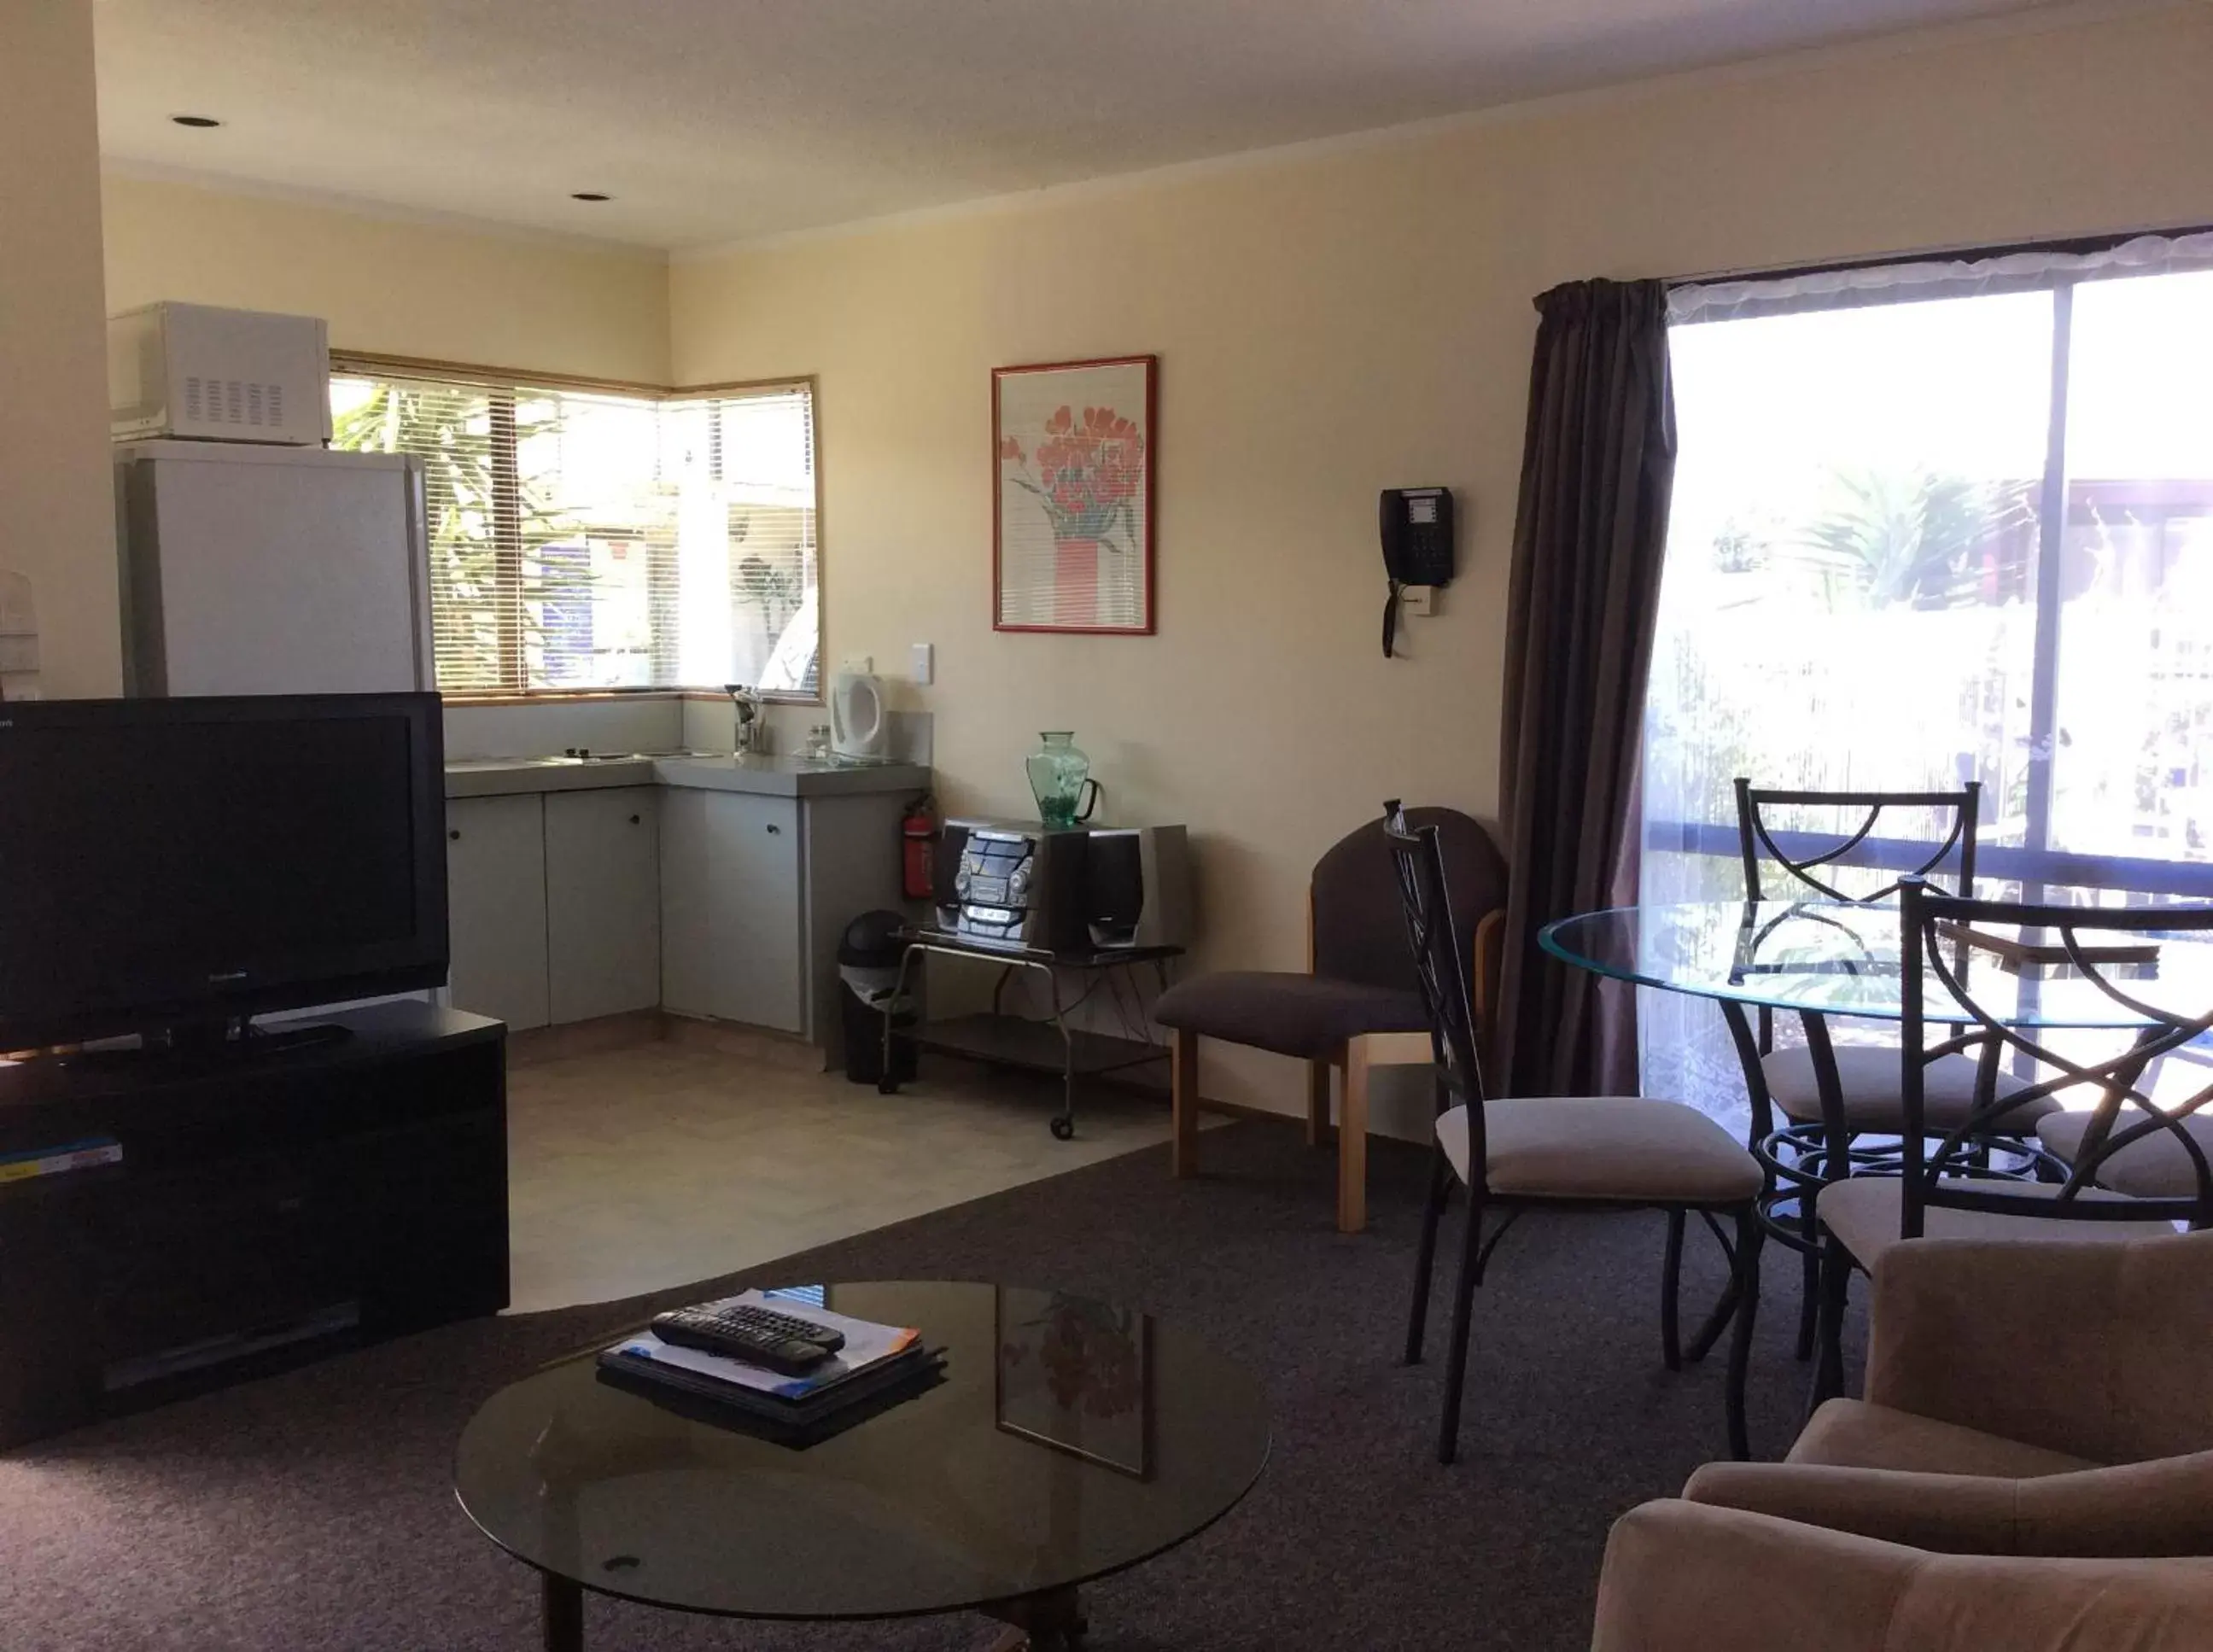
582 540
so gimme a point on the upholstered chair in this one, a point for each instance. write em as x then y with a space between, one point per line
2024 1397
1688 1578
1355 1007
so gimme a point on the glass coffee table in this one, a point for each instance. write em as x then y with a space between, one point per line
1068 1439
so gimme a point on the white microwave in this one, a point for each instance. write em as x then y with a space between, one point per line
218 374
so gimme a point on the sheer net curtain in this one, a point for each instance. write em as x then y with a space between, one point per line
1934 523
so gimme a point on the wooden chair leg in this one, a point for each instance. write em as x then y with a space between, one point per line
1750 1236
1671 1293
1353 1141
1183 1103
1317 1102
1463 1306
1441 1179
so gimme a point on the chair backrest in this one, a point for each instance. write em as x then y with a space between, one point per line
2125 1115
1755 834
1358 935
1438 962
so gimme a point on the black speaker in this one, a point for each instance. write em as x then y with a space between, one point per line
1114 887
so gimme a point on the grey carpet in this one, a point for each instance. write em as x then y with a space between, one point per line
313 1510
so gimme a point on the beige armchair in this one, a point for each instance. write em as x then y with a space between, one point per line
2031 1397
1687 1577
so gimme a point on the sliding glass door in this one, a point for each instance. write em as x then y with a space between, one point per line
1931 525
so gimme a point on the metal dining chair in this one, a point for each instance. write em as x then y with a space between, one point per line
1943 1192
1558 1153
1831 1096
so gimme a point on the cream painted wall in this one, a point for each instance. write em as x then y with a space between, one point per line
56 507
391 285
1344 320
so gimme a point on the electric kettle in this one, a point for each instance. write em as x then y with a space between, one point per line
858 724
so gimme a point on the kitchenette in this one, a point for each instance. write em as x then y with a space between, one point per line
707 885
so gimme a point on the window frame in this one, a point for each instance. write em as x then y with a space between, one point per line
2035 865
502 384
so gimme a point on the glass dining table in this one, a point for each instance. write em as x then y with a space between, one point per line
1820 960
1830 958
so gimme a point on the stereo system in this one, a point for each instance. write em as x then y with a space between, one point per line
1080 889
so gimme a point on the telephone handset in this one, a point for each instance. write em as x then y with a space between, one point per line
1417 527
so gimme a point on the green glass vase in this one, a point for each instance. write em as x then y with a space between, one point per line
1060 780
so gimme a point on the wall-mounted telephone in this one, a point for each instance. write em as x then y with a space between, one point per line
1416 525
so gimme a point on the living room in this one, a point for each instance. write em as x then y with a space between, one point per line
647 205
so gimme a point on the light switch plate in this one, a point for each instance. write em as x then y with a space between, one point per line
924 662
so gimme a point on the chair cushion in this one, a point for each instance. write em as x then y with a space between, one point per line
1604 1147
1863 1213
1852 1434
2158 1166
1869 1073
1307 1016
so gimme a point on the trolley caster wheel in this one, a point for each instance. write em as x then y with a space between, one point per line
887 1086
1064 1129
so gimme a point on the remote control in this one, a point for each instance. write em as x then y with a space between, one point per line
755 1335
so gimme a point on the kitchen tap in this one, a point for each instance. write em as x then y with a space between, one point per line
747 736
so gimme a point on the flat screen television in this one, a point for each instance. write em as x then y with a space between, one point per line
170 863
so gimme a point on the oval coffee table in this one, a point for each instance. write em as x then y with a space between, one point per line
1068 1440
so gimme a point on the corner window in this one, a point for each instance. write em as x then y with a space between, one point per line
584 540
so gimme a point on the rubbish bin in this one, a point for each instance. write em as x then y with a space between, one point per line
868 988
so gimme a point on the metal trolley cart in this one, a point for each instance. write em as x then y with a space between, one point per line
1051 1045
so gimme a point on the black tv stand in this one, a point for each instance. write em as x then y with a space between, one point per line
183 1219
204 1050
297 1035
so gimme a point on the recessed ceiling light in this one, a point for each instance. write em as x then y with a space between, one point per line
590 195
196 120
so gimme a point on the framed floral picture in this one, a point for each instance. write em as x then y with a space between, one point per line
1076 1376
1073 458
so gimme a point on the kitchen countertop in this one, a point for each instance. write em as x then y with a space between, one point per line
775 777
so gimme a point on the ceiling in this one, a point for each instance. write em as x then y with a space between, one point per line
710 121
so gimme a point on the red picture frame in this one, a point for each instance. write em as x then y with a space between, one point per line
1074 481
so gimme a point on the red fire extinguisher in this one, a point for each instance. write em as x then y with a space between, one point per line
918 843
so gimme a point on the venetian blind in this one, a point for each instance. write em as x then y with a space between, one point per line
585 540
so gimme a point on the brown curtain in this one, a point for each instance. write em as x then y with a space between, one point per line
1597 466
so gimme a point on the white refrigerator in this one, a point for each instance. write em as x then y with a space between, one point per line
262 569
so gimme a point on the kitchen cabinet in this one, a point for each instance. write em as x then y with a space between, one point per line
495 908
602 901
706 888
733 870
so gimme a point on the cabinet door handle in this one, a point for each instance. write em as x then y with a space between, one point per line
455 834
633 820
773 830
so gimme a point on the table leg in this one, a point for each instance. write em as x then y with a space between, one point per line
1052 1622
563 1614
